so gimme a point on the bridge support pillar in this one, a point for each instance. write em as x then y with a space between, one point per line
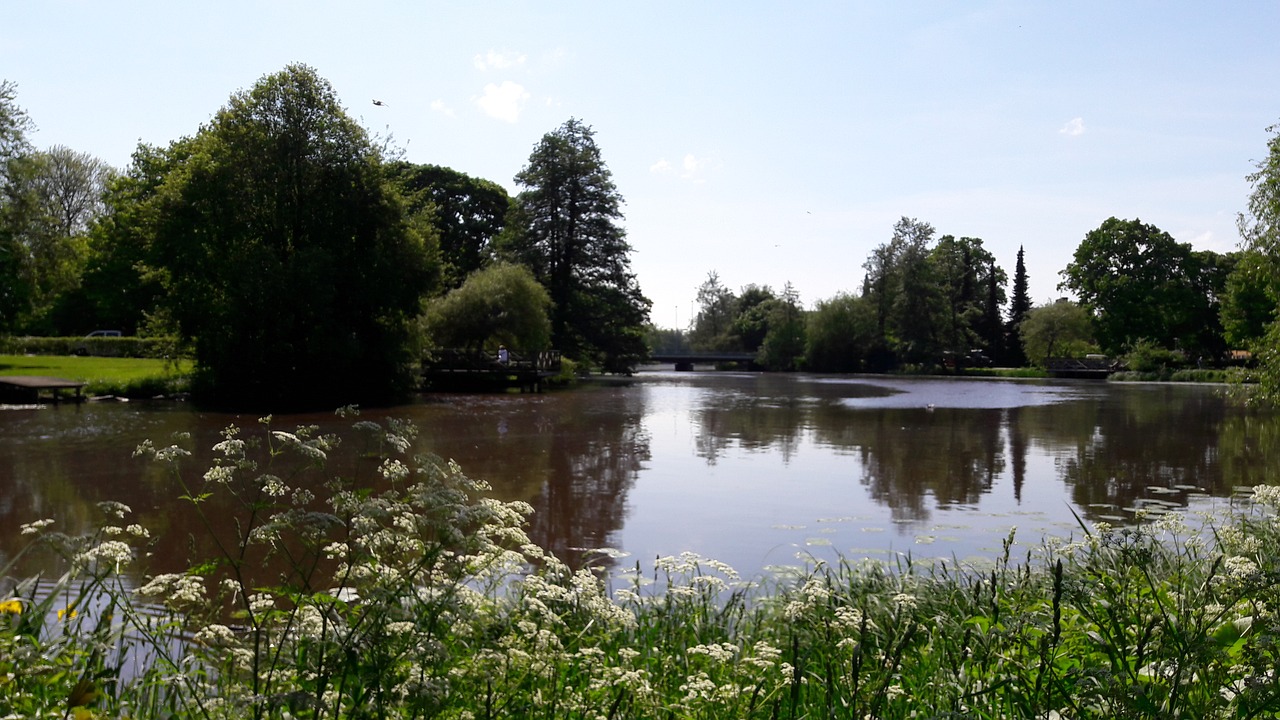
684 367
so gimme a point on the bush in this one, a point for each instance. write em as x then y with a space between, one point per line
129 347
1147 357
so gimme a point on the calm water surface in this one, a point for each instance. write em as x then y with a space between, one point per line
746 468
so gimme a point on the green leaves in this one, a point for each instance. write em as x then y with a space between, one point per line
290 263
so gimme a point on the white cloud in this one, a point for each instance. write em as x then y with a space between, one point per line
440 107
494 60
504 101
691 167
1073 128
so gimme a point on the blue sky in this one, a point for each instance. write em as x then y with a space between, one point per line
769 142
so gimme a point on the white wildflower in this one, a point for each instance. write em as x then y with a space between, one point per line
221 474
400 628
394 470
1240 567
1268 495
176 589
260 603
111 552
721 652
32 528
273 486
214 635
905 602
114 509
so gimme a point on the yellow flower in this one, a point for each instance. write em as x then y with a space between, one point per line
13 607
67 613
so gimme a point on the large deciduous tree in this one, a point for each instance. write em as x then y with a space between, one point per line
1138 283
468 213
902 285
566 230
14 146
290 262
48 200
972 288
783 345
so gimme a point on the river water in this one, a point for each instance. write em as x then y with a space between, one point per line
754 470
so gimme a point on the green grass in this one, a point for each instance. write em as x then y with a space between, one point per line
134 377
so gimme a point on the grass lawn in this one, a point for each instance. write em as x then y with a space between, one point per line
104 375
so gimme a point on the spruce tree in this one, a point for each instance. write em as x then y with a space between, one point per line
1019 305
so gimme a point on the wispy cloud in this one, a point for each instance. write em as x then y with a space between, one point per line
692 166
439 106
495 60
505 101
662 167
1073 128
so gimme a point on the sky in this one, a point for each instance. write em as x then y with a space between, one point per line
768 142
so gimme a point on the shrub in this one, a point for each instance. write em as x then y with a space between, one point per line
132 347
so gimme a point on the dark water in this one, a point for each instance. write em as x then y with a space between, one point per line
748 469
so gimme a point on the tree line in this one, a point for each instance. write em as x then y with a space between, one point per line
303 264
929 302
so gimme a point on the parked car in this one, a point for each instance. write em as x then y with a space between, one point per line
83 348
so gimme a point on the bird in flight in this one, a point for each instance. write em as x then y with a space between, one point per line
379 103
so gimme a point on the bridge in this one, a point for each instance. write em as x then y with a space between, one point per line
685 361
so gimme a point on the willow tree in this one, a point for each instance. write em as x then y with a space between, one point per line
290 263
566 230
1260 231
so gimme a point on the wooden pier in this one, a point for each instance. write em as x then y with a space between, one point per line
453 369
686 360
26 389
1091 368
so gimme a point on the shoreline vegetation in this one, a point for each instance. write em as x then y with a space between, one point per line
429 600
126 377
146 378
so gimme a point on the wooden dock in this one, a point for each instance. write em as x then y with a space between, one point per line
1080 368
26 389
470 370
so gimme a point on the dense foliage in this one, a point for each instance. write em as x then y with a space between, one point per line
1138 283
468 214
500 305
290 263
426 599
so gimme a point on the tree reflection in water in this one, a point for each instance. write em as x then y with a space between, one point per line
715 462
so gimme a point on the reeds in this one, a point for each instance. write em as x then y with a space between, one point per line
428 600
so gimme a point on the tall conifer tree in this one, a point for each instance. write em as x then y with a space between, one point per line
1019 305
567 232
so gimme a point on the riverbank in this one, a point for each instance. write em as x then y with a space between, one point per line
429 600
106 376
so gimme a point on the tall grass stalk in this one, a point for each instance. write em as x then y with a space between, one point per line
428 600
